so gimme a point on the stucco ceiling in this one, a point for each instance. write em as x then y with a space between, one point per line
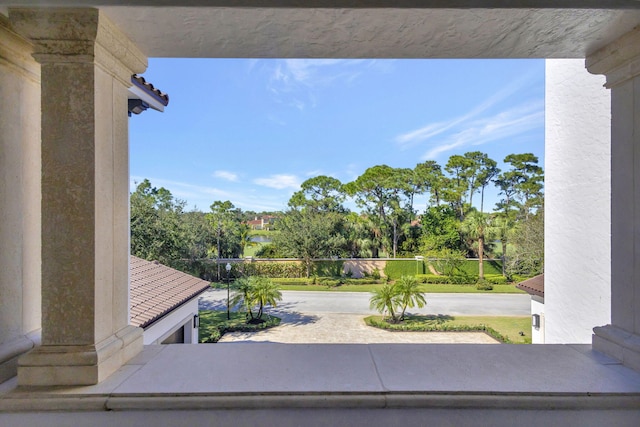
363 32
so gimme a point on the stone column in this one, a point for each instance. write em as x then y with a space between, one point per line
19 199
86 67
620 63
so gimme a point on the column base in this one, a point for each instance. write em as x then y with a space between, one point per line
55 365
619 344
11 351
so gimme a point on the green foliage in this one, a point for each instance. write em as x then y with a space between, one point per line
156 232
491 267
503 329
409 294
483 285
495 279
274 269
385 300
375 274
321 193
328 268
255 291
398 268
527 257
394 298
214 324
432 278
269 250
310 234
440 230
447 261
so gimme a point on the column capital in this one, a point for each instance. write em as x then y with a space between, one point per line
16 52
619 61
62 35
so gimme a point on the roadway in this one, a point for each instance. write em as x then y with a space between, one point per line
358 303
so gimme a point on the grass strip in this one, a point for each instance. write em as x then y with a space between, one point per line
214 324
426 288
504 329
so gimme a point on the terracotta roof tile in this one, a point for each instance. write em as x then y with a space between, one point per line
533 286
139 81
157 289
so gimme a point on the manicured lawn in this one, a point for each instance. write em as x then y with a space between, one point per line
214 324
426 288
469 289
251 250
507 329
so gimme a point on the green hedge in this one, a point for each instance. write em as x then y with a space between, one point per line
383 324
492 279
495 279
491 267
274 269
433 279
395 269
328 268
326 281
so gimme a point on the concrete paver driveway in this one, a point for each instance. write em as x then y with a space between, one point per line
322 318
326 328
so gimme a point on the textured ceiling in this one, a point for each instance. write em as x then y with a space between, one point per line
370 32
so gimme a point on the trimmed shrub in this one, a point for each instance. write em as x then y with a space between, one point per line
484 286
495 279
275 269
395 269
433 279
491 267
328 268
377 322
293 281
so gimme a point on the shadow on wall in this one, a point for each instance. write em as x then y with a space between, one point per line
360 267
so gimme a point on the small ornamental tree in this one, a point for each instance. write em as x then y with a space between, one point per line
409 294
395 298
386 300
255 291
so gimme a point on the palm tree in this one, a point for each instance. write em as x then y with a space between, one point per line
409 294
243 295
244 233
264 292
385 299
255 290
477 225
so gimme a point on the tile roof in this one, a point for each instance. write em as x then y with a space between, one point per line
160 96
156 290
533 286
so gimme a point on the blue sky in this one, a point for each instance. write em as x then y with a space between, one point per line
250 131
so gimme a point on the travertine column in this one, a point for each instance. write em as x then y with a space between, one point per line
620 63
86 66
19 199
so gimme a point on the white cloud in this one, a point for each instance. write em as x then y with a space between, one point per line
293 82
279 181
430 130
505 124
226 175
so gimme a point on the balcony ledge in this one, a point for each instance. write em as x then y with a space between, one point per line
272 376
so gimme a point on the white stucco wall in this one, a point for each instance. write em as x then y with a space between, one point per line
19 200
537 307
577 202
161 329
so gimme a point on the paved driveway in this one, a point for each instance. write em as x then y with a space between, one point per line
321 325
